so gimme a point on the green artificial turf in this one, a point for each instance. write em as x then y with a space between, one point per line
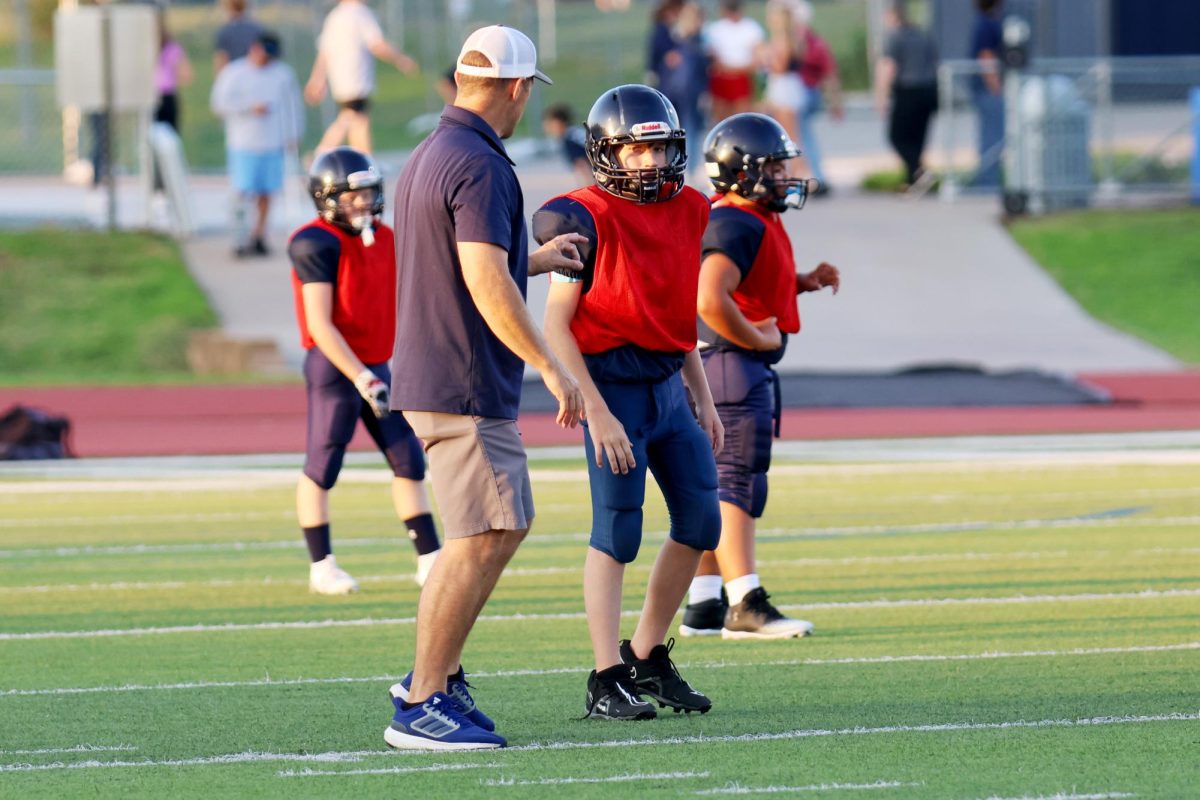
1139 271
983 630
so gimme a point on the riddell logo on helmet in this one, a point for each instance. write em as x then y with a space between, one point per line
644 128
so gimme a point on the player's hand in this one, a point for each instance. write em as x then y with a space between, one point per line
824 275
769 336
609 441
561 252
565 389
711 424
374 391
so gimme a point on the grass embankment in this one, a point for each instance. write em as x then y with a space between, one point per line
1138 271
86 306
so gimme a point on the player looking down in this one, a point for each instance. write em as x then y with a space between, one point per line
747 307
627 330
344 279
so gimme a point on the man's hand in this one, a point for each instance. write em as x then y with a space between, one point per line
565 389
374 391
770 336
558 253
711 424
824 275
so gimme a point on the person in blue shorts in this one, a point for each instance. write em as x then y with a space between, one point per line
627 330
344 282
747 307
259 100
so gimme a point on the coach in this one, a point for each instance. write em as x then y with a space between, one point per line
462 335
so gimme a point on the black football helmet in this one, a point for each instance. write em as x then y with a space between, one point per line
635 113
735 152
344 169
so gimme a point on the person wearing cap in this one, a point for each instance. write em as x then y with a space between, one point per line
462 335
259 99
350 41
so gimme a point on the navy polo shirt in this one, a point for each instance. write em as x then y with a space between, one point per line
458 186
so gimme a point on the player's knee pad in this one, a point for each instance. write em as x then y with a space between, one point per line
699 526
323 466
618 533
406 457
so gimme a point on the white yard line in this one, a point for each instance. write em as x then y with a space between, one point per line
1066 796
674 741
815 787
309 773
652 776
527 673
1134 520
370 622
79 748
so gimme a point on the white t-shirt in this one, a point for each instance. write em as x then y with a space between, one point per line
733 43
349 31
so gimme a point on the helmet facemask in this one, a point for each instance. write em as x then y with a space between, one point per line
652 185
777 194
359 217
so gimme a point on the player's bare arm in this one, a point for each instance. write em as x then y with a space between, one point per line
706 411
318 315
314 90
608 434
485 272
561 252
719 279
824 275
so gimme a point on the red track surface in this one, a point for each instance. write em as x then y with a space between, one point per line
171 420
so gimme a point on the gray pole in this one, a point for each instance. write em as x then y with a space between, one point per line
25 62
106 82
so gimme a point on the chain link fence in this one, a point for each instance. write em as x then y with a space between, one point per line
1076 132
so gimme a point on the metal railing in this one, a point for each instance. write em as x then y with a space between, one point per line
1076 131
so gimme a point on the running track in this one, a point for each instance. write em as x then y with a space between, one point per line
209 420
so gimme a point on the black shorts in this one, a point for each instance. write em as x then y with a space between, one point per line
362 105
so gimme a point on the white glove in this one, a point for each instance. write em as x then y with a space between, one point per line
374 391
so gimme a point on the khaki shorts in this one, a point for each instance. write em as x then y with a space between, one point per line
479 472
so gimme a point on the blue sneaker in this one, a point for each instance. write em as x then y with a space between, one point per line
456 687
438 724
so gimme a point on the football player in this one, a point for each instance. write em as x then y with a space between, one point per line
344 280
627 330
747 307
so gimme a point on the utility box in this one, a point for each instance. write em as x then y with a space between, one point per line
84 36
1050 159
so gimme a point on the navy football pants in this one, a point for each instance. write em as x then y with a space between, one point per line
334 409
743 390
666 439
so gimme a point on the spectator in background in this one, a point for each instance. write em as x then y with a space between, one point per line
661 40
906 90
733 41
259 99
445 86
819 71
986 91
235 37
350 41
558 123
172 71
785 94
684 78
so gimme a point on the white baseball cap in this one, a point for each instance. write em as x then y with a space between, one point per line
511 52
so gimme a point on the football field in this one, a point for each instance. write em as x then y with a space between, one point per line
993 620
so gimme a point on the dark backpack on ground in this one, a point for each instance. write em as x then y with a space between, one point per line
26 433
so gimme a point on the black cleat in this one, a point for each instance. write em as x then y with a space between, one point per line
612 695
657 677
705 618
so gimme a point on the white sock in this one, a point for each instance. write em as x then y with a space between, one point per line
738 588
704 587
